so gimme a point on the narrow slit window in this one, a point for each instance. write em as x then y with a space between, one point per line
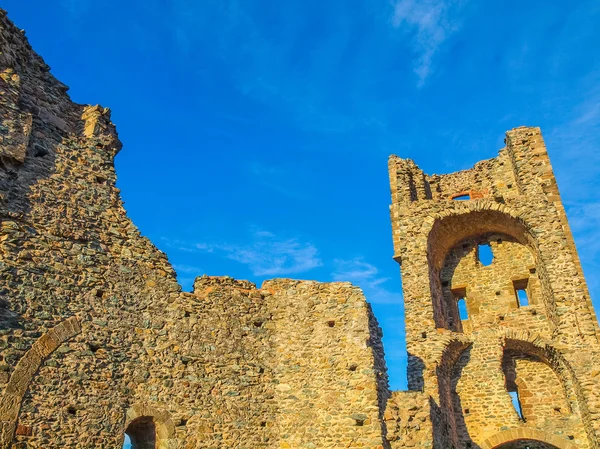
464 197
462 309
522 298
485 254
516 402
521 292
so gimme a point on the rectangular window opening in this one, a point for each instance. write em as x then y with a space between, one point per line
463 313
521 292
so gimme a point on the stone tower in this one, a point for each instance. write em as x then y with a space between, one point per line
501 334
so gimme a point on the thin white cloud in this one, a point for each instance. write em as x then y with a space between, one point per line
430 23
187 269
267 254
367 277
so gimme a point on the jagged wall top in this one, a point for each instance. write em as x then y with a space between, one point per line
521 167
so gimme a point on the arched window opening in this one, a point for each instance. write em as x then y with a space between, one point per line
463 313
521 292
485 255
141 434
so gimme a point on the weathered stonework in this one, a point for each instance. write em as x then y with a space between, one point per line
98 340
544 349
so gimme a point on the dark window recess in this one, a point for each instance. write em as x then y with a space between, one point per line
141 433
485 255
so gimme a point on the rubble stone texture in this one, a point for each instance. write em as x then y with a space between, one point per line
98 340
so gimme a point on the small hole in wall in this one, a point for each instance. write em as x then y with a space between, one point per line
424 335
509 186
570 437
261 370
331 323
71 410
485 255
467 411
532 270
187 314
360 422
94 346
263 424
499 241
501 317
99 293
557 409
353 367
258 323
100 179
497 293
39 151
183 422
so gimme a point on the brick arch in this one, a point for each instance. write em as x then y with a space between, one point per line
165 428
26 369
526 433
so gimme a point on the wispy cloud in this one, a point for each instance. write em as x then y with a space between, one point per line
180 245
267 254
188 269
429 23
367 277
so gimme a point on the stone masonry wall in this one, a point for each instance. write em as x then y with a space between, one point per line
96 337
512 204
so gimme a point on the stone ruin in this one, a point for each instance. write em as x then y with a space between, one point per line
98 340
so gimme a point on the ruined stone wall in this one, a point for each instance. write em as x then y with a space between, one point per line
510 203
330 385
96 337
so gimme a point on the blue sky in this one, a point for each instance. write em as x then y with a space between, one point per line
256 133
